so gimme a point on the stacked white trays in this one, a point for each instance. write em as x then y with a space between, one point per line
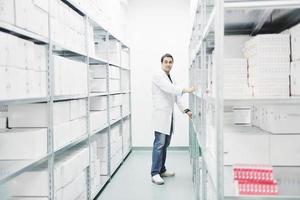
295 65
235 78
269 64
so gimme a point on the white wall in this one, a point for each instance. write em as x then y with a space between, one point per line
157 27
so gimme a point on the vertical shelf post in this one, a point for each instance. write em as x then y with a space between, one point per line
50 95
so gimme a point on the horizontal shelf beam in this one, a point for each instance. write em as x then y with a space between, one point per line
97 61
120 92
24 101
23 33
98 94
69 97
99 130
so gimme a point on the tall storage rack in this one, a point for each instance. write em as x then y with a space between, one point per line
212 21
10 169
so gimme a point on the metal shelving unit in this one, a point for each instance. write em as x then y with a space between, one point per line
11 169
212 21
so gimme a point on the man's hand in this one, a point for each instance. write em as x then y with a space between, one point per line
189 90
190 114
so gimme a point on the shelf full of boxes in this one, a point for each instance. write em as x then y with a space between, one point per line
245 61
65 112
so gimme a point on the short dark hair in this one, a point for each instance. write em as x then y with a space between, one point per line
167 55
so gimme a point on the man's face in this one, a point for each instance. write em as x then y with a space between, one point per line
167 64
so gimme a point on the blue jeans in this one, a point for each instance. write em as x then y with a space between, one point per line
159 152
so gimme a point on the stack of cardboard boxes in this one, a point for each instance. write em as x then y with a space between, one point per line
98 78
24 77
70 77
269 64
69 122
98 114
70 177
126 136
115 147
295 65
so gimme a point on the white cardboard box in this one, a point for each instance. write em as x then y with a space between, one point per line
73 189
77 109
66 84
16 83
268 45
103 168
295 42
29 115
3 82
98 119
61 111
26 184
98 71
125 80
66 170
114 85
4 50
96 181
103 154
18 48
33 83
115 58
113 46
35 115
242 115
39 21
98 103
40 55
71 165
116 100
281 119
94 151
285 150
114 72
7 11
98 85
3 122
26 13
295 78
126 103
29 143
61 134
124 59
115 113
102 140
78 128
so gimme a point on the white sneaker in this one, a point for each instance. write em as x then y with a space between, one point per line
157 179
168 174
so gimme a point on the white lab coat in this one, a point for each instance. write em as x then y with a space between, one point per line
164 95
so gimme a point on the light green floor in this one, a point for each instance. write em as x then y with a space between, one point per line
133 180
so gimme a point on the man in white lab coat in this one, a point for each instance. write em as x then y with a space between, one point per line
165 94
